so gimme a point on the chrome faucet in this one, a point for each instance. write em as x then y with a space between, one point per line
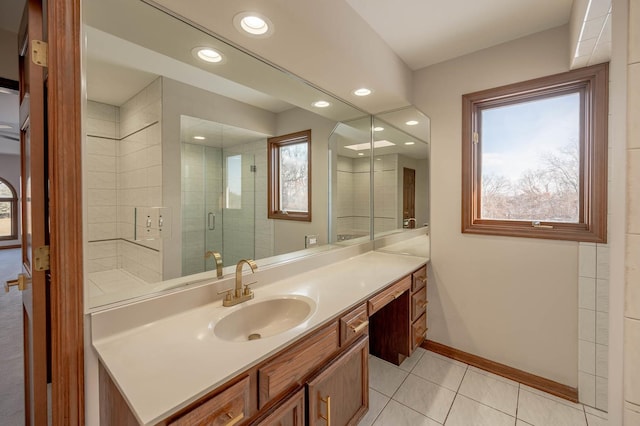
240 294
218 257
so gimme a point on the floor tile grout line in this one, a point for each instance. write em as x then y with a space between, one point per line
456 395
518 403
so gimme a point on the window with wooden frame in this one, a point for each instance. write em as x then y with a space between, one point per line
289 176
8 211
534 158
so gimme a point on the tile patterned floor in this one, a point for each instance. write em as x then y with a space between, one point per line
429 390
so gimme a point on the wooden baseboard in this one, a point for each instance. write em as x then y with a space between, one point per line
546 385
14 246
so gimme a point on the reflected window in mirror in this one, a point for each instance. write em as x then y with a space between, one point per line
289 164
8 210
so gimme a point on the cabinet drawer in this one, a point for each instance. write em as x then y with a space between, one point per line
418 303
293 365
354 324
227 408
378 301
419 278
418 331
289 413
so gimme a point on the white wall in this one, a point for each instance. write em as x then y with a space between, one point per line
10 170
510 300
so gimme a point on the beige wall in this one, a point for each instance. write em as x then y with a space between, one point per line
511 300
8 55
632 260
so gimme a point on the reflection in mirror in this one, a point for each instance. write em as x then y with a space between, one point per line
350 164
401 172
158 196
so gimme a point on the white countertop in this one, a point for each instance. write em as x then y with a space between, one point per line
162 366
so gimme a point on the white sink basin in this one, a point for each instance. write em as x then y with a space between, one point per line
260 319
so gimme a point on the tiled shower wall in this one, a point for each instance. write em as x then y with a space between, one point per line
353 196
124 170
101 182
243 233
139 166
593 323
632 260
385 195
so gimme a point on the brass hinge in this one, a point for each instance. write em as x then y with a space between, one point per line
475 137
39 51
41 261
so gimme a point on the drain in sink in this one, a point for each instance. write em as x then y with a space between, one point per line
254 336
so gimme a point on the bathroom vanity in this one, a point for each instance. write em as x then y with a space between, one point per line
178 370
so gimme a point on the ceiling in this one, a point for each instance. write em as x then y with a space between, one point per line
386 40
425 32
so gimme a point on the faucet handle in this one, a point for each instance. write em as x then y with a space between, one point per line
229 295
247 291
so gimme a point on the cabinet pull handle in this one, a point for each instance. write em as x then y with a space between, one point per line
358 328
328 402
398 294
423 303
423 279
235 419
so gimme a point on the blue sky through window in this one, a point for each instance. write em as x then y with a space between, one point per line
515 137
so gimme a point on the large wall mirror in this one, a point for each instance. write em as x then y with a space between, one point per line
175 155
401 188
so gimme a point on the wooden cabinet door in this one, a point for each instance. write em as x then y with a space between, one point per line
289 413
339 395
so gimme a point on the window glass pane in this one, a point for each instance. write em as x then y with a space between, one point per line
531 160
5 191
234 182
5 218
294 177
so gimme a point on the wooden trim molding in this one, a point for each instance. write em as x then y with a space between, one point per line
65 175
537 382
591 226
12 246
273 176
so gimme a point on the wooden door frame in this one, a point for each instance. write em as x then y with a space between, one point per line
65 177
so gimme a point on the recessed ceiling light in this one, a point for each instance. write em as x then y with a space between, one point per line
360 153
207 54
378 159
411 123
5 126
363 91
200 138
253 24
321 104
409 143
378 129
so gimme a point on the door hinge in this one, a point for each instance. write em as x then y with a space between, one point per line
41 261
475 137
39 51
